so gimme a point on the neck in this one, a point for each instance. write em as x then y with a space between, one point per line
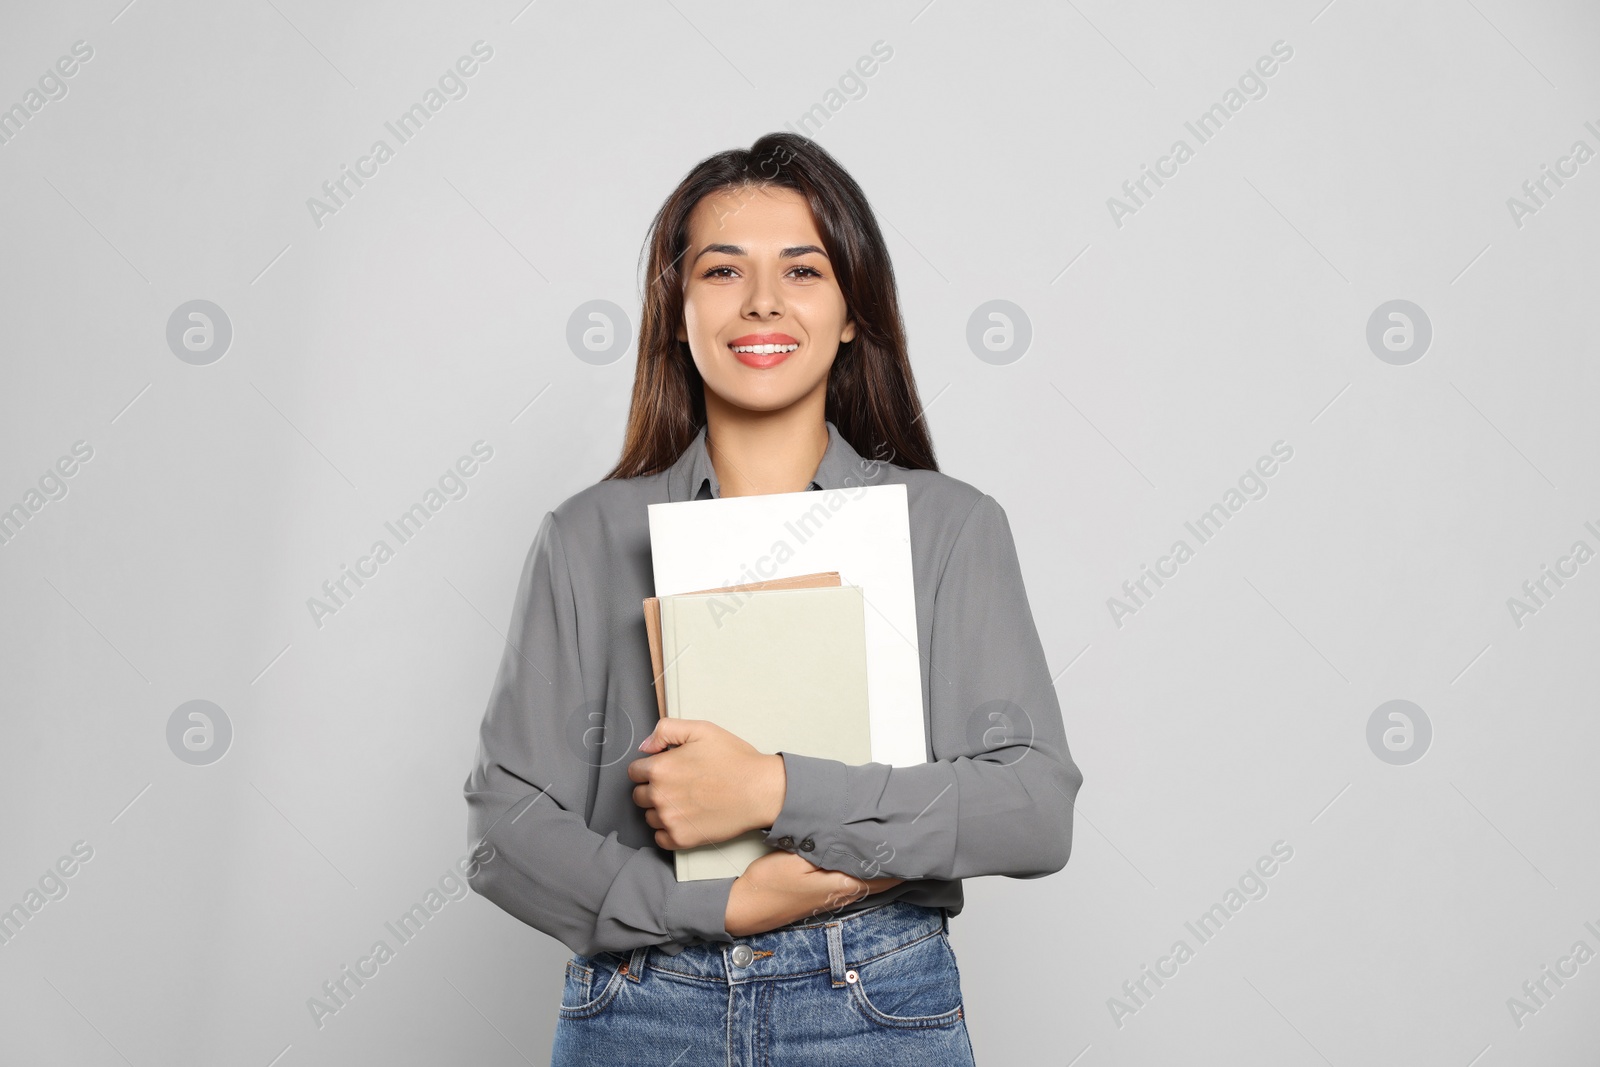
757 452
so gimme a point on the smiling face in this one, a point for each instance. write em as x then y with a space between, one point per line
762 312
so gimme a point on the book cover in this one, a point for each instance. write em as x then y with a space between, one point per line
785 669
652 618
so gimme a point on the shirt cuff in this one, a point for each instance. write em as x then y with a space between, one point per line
815 798
698 910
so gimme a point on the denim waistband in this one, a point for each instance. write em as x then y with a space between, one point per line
819 946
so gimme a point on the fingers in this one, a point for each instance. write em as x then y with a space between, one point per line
846 889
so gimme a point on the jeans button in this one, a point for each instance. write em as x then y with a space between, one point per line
742 955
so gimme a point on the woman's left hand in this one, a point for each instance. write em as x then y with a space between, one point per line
711 787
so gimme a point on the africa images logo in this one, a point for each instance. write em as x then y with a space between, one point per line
452 85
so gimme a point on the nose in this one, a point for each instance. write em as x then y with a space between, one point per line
764 299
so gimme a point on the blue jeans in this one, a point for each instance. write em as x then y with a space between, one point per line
876 987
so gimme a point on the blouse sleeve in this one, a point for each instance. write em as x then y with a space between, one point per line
537 857
998 797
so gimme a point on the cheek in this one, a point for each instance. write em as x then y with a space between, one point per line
705 312
825 312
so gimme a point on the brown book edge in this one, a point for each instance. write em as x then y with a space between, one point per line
652 618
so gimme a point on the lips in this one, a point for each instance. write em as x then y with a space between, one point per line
763 350
764 339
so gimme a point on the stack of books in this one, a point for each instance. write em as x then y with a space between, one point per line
781 663
818 659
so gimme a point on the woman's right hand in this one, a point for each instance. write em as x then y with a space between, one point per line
781 886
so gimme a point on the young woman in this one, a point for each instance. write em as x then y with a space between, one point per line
772 359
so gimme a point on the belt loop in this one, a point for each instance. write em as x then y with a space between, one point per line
836 952
636 963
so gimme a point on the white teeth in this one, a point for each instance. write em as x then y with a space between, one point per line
764 350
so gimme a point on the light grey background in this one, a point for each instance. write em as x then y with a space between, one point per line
1167 354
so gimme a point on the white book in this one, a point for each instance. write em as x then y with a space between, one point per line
863 532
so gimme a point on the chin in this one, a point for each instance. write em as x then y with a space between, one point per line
775 398
761 403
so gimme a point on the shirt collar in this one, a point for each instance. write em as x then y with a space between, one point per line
692 476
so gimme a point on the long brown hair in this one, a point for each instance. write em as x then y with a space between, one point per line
871 396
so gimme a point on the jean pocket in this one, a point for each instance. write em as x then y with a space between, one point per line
592 983
914 987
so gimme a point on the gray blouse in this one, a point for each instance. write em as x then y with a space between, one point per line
561 844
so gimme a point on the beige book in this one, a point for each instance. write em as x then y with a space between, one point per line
785 669
652 617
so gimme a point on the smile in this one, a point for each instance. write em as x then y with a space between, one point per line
763 356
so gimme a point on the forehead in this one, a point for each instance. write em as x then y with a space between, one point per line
753 216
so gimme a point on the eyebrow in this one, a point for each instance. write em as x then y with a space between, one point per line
739 250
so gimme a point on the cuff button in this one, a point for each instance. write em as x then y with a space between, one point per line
786 841
807 845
